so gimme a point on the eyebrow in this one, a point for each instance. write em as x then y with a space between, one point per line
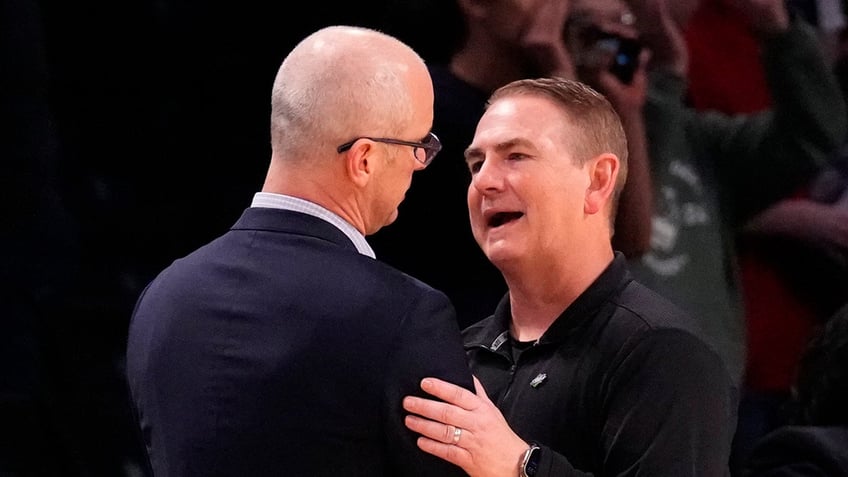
473 153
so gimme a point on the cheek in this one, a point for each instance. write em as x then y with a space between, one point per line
559 200
472 197
395 186
474 216
473 202
403 177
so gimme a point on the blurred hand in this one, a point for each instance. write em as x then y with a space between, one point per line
660 32
487 446
543 39
627 98
821 225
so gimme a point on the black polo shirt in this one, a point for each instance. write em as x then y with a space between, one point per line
621 383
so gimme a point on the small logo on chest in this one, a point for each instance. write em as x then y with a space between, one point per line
538 380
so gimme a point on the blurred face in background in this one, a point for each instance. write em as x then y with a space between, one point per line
611 16
602 34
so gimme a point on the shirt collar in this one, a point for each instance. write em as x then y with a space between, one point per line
296 204
493 331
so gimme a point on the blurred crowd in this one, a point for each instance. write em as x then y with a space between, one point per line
135 132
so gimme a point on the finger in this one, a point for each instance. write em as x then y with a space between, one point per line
446 434
644 59
480 390
439 411
453 454
478 386
449 392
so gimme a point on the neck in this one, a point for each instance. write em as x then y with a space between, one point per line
321 188
540 292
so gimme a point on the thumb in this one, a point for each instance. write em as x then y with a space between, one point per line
480 390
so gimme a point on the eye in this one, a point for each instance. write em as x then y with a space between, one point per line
474 166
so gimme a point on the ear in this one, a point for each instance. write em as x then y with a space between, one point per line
603 172
359 162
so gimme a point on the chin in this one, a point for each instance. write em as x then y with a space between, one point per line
499 253
391 219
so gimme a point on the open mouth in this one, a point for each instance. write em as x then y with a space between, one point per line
500 218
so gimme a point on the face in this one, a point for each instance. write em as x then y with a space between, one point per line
526 193
397 162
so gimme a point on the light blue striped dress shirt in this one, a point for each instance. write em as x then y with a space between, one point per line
287 202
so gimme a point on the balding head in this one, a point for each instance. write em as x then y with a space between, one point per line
339 83
347 85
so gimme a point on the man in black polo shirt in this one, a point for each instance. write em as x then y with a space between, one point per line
588 371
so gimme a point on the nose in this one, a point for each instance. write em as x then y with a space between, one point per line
487 178
418 164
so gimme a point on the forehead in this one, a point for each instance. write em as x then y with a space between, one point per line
530 117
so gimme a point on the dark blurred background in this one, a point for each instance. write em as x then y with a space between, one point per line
132 132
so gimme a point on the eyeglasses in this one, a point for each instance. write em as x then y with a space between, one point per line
430 145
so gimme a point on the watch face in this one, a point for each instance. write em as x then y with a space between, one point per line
531 462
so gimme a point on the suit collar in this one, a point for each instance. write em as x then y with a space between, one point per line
291 222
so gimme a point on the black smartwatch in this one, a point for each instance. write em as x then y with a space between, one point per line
530 462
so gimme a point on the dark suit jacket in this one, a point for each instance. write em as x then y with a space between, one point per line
278 349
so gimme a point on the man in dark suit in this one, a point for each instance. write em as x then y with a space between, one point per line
283 347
